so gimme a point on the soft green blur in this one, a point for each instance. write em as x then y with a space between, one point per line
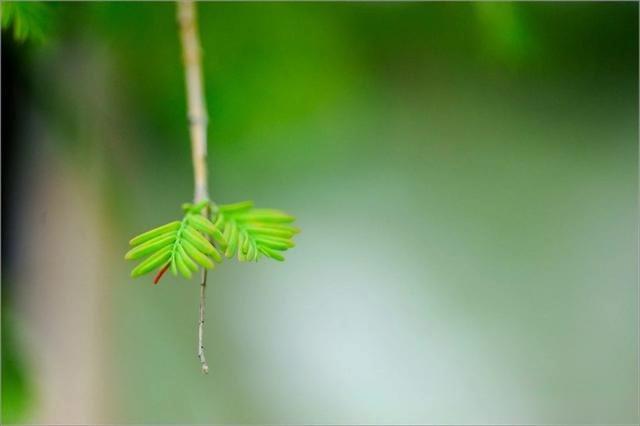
464 174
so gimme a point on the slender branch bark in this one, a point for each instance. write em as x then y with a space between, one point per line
197 115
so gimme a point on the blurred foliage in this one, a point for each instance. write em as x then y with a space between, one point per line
508 38
30 20
17 390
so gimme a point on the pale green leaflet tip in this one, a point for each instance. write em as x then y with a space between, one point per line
202 224
242 238
276 243
218 222
272 253
228 227
151 246
274 232
236 207
244 241
219 238
197 256
197 240
173 267
267 215
232 241
252 253
182 266
152 262
172 226
197 208
215 254
187 260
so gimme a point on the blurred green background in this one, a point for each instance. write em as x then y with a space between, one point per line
465 175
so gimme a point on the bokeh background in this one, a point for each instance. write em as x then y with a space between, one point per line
465 175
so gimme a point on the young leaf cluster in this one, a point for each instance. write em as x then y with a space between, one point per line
179 245
250 233
239 230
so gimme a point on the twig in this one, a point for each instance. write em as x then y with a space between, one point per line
203 287
197 114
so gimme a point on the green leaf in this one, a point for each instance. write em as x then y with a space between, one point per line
30 20
151 246
197 240
187 260
236 207
275 243
202 224
159 258
267 216
182 266
271 253
178 245
271 231
172 265
237 229
232 239
198 256
161 230
250 232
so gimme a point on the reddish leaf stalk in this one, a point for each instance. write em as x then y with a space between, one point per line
161 273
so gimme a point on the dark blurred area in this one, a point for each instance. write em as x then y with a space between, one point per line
465 176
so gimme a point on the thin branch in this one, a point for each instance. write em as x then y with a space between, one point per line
203 287
197 114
